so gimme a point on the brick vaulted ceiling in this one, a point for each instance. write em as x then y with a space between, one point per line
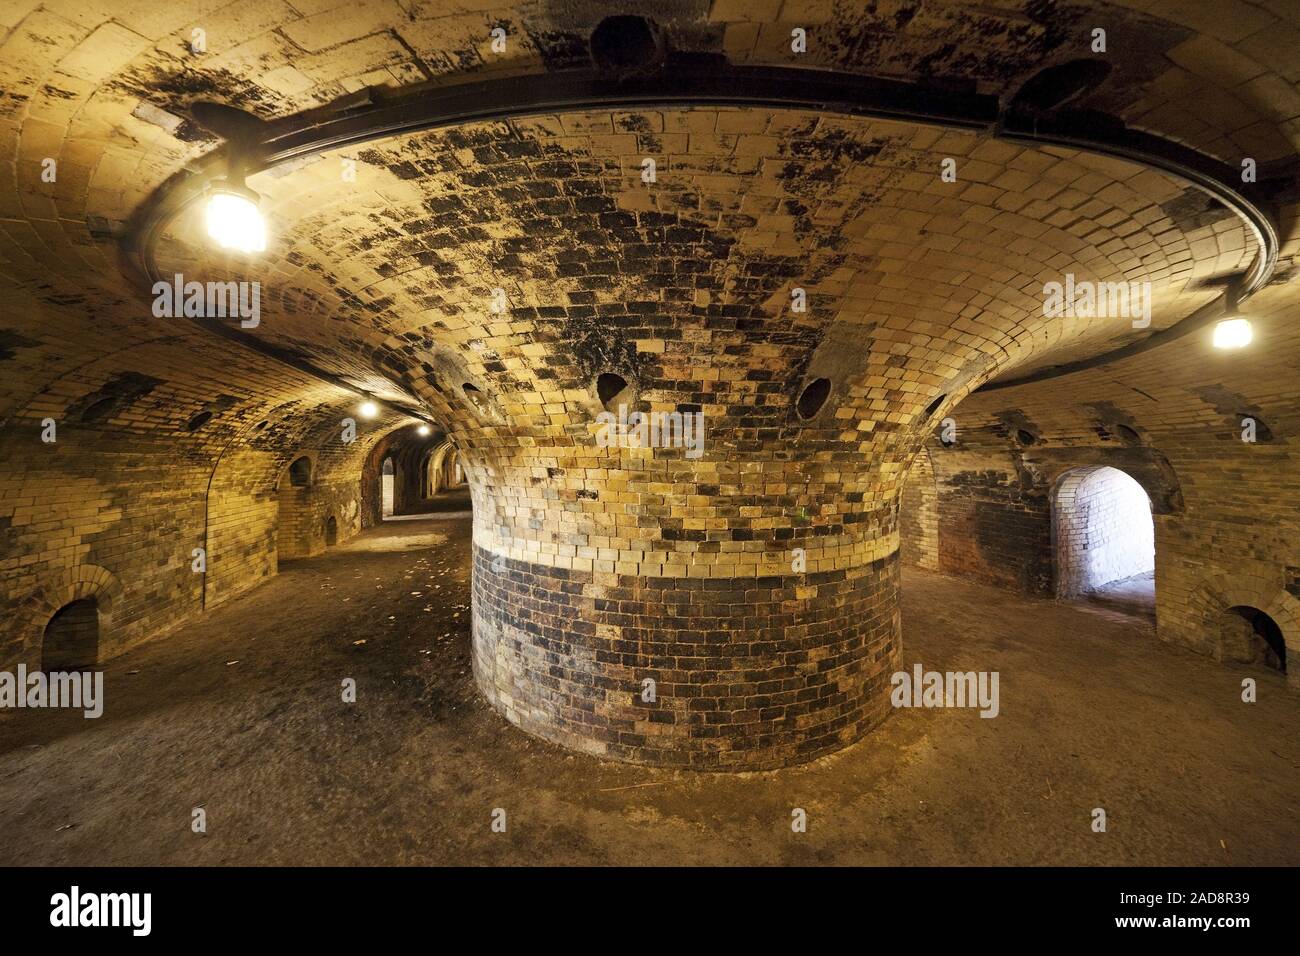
927 283
403 257
919 290
944 279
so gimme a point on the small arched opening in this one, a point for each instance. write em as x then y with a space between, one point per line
1251 636
71 638
331 531
812 398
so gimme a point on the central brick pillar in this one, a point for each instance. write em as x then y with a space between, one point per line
766 616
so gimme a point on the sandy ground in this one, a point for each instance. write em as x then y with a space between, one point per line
1094 713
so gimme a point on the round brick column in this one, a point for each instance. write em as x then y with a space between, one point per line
768 624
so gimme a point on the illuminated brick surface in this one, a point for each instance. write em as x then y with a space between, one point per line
756 582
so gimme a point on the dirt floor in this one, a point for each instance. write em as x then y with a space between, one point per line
241 714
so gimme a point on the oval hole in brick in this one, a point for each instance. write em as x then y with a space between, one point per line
198 421
1262 432
260 425
476 397
609 386
1025 438
934 406
813 397
623 44
1047 89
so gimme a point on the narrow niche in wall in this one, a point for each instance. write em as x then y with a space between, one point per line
297 532
300 473
387 478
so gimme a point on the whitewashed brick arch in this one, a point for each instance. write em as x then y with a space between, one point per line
1096 535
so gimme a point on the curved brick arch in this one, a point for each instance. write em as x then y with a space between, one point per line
429 476
1146 465
915 288
1216 594
78 583
1100 533
249 485
438 464
408 449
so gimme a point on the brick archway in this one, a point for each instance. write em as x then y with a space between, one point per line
439 474
79 583
1102 529
1216 594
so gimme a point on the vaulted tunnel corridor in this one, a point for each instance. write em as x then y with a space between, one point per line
632 393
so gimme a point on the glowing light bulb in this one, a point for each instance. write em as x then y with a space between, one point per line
235 222
368 410
423 430
1232 334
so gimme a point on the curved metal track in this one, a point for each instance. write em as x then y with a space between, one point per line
704 80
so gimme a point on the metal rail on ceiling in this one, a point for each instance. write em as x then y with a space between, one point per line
701 80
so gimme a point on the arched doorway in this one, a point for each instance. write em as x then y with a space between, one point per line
443 471
387 479
331 531
1250 636
918 515
1104 538
71 638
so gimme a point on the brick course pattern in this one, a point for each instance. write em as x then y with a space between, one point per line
918 515
1225 525
919 291
124 505
749 674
